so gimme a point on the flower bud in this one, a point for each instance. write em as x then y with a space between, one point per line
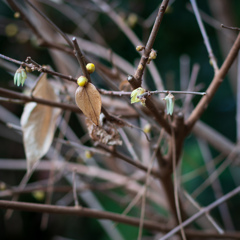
137 92
169 103
147 128
88 154
132 20
90 68
20 76
82 81
38 195
16 15
153 54
139 48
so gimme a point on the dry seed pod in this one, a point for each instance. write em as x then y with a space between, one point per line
89 101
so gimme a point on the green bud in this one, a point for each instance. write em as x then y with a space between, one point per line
20 77
169 103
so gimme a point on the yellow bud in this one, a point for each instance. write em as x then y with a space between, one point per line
153 54
82 81
210 62
132 20
88 154
2 186
90 68
147 128
39 195
140 66
11 30
16 15
139 48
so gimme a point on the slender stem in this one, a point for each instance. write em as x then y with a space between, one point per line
202 212
54 26
208 216
148 93
80 58
231 28
147 181
92 213
36 67
175 180
238 99
143 61
216 82
75 188
204 35
15 95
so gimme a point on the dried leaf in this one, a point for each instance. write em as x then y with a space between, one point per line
38 123
89 101
106 133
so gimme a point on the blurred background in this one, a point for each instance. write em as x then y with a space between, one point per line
179 45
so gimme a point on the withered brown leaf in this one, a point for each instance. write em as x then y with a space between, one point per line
89 101
39 122
106 133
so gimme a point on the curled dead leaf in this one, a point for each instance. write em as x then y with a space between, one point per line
39 122
89 101
106 133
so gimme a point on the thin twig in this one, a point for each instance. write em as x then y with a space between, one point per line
231 28
204 34
75 188
148 93
54 26
208 216
213 87
131 36
238 99
216 185
175 180
147 181
216 173
202 212
80 58
151 225
15 95
191 85
143 61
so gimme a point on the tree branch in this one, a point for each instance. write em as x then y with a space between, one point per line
216 82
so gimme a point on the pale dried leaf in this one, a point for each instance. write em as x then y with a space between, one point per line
106 133
38 123
89 101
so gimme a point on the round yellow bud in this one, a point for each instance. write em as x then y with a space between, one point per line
16 15
132 20
140 66
90 68
11 30
147 128
139 48
88 154
82 81
153 54
39 195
